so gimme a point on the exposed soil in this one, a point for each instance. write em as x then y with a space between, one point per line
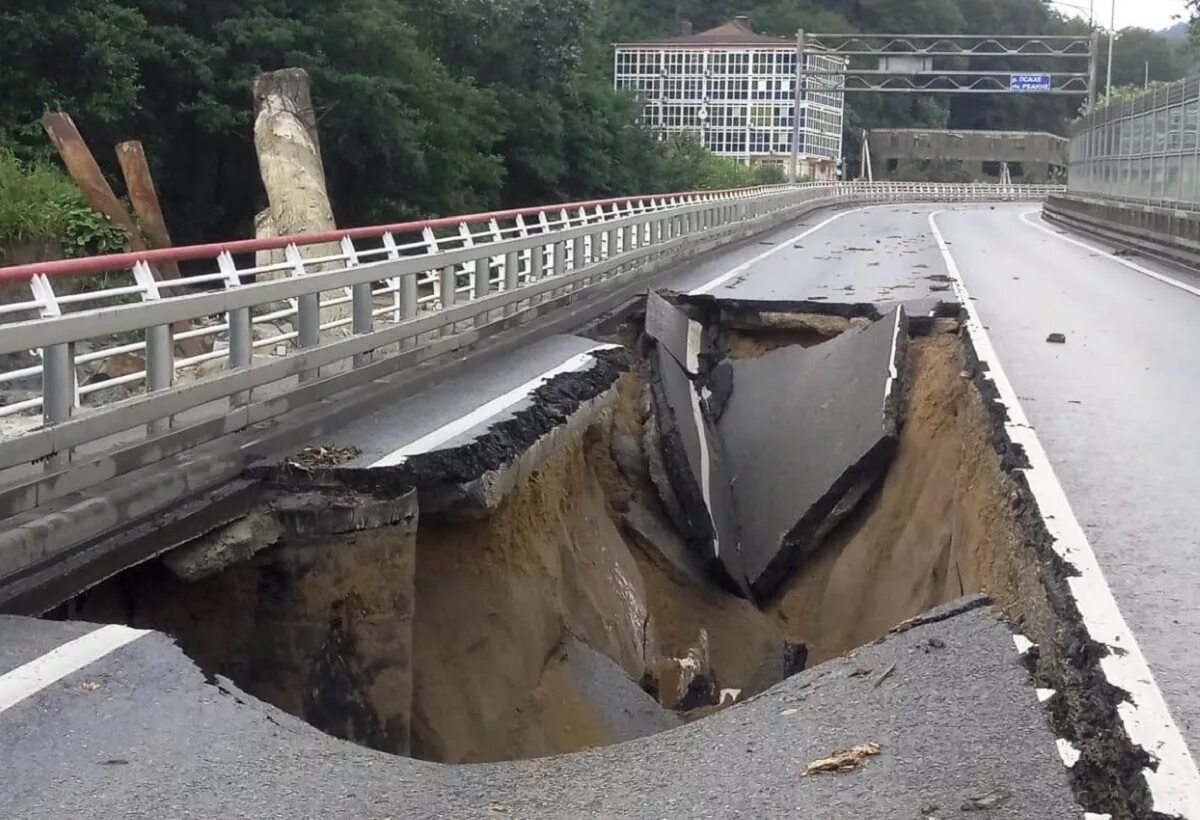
938 527
745 339
495 598
493 602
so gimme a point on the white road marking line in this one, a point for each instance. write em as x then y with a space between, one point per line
1175 784
1023 644
33 677
1134 266
1067 751
782 246
693 354
694 331
447 431
1044 695
893 373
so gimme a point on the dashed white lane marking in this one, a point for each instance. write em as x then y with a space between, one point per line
715 283
1044 695
1175 783
1134 266
1023 644
485 411
33 677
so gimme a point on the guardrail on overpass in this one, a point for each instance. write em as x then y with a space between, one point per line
332 310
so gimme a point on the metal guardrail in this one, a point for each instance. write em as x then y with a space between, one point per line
341 298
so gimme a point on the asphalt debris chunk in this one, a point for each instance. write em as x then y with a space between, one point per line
1057 339
844 761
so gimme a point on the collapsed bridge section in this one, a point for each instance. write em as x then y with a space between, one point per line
597 540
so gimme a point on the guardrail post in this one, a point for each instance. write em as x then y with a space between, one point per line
160 369
241 349
408 305
241 333
361 319
512 278
448 286
559 262
308 312
58 392
580 256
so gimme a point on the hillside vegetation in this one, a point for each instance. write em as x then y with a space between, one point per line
425 108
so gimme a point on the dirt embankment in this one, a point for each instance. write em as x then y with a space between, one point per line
495 598
494 604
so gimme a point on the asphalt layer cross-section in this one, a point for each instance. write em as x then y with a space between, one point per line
142 733
411 425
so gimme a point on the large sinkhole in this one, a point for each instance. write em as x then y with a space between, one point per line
600 600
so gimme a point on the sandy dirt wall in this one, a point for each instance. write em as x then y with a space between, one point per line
494 600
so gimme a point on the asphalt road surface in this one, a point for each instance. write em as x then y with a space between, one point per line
140 732
1115 407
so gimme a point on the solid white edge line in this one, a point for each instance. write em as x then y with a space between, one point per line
1134 266
712 284
893 373
694 331
486 410
30 678
1175 784
692 354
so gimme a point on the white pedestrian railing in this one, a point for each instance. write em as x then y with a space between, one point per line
265 311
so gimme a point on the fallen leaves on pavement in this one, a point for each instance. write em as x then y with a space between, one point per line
840 762
311 458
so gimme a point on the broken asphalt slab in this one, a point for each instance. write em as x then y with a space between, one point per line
695 469
594 691
806 433
957 719
681 335
466 442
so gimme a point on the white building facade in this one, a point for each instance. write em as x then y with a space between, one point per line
735 90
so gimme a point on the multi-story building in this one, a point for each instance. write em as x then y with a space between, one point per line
735 89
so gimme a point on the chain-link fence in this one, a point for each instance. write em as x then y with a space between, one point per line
1142 150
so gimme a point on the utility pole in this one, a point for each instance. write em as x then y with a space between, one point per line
798 96
1112 39
1093 78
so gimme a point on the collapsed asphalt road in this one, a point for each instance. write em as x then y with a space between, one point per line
939 753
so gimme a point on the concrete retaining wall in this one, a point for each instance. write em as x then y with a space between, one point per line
1162 232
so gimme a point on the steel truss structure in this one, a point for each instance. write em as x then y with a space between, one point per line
942 63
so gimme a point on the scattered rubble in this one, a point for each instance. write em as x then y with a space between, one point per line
844 761
312 458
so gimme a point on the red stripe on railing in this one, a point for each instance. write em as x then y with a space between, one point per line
118 261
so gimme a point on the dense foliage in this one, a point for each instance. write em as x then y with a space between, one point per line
433 107
40 207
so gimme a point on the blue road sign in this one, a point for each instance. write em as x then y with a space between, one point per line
1029 82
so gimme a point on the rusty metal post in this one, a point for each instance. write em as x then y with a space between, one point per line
87 175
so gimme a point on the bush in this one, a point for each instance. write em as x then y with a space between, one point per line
39 203
688 166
